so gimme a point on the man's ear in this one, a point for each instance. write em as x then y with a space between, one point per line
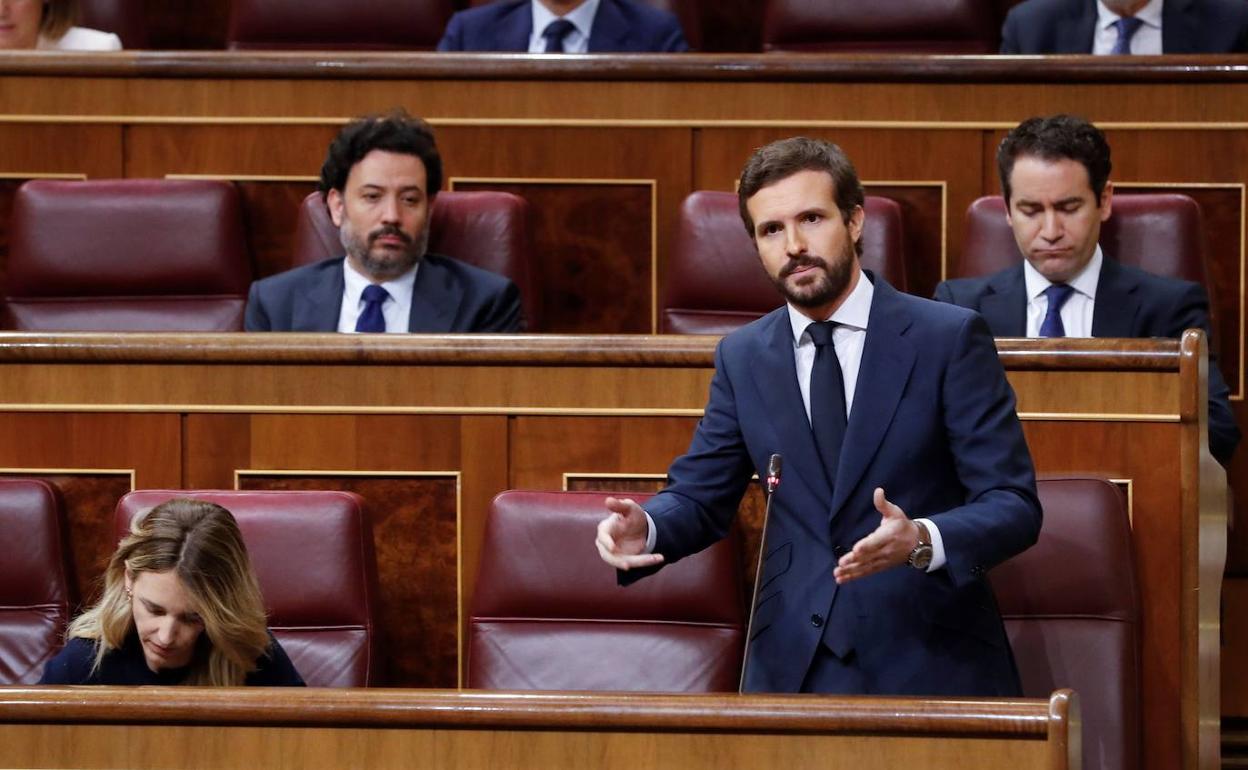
334 201
1107 200
856 221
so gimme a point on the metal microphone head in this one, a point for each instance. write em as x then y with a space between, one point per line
775 464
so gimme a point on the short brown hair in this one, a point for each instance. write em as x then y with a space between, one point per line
781 160
58 17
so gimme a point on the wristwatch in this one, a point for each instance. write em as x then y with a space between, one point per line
921 556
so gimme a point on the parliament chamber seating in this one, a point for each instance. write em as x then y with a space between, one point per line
313 554
911 26
547 613
1072 611
124 18
35 583
715 282
486 229
126 255
367 25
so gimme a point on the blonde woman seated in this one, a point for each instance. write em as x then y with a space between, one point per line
181 605
49 25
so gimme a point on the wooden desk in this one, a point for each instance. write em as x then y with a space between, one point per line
334 729
428 429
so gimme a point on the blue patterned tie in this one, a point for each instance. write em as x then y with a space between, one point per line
827 398
371 319
555 32
1127 27
1052 326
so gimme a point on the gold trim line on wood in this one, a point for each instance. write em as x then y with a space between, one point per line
293 120
432 410
459 531
1238 393
1097 417
569 476
130 472
73 177
246 177
1130 485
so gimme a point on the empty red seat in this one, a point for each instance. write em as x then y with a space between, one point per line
35 584
313 555
547 611
127 255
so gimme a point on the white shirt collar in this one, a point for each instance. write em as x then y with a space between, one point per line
399 289
1150 14
853 312
1085 282
582 17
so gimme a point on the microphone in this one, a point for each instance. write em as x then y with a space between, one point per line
775 464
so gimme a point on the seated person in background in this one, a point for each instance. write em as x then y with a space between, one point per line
1055 178
379 180
180 606
565 26
1126 27
49 25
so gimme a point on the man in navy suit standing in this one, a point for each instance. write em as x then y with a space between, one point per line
1126 27
906 473
1055 179
564 26
379 180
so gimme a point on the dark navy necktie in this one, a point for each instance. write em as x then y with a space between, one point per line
1127 27
1052 325
555 32
371 319
827 398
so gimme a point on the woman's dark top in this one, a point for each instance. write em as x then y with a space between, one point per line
72 665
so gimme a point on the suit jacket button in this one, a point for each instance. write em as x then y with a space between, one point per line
816 620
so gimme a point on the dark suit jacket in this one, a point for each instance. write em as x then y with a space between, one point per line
1068 26
1129 303
933 423
449 296
621 26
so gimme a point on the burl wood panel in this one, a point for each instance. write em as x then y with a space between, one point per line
595 270
923 216
416 537
270 212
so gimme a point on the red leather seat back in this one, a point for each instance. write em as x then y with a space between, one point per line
313 555
35 583
547 611
912 26
1162 233
127 255
1072 611
715 282
123 18
376 25
486 229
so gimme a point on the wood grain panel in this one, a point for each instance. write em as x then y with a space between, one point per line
596 272
227 150
270 212
923 219
415 531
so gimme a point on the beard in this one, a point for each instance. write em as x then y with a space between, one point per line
821 286
384 264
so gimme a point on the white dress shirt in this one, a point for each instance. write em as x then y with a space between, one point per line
397 309
848 339
1077 312
576 41
1145 41
80 39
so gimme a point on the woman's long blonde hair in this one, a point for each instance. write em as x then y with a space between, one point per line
200 542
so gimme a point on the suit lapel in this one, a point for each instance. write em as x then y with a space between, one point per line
887 361
1115 307
775 376
318 305
1075 33
1005 309
515 27
435 299
610 28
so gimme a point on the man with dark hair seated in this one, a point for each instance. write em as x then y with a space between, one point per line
1055 179
564 26
1126 27
379 181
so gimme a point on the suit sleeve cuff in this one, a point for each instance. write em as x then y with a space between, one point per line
938 545
651 535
